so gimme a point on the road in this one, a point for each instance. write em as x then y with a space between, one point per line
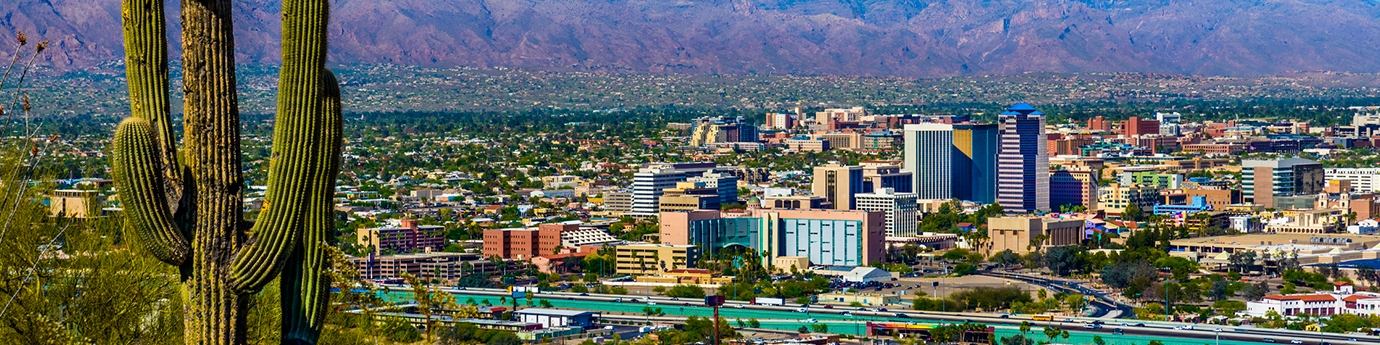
1111 308
1164 331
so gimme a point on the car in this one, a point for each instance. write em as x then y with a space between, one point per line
608 327
1217 329
1296 341
903 316
1090 326
739 306
846 314
1117 331
675 298
881 309
1006 316
811 320
828 306
801 310
651 303
584 294
1123 324
1268 340
617 300
1140 325
685 304
967 321
1068 320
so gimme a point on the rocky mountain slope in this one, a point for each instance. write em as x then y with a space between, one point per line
910 38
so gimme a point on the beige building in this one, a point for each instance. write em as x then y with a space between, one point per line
654 259
838 183
72 203
689 196
785 263
843 140
1017 233
686 276
1114 198
860 298
618 203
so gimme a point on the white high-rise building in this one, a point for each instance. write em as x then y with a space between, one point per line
929 156
900 208
651 182
1363 180
648 186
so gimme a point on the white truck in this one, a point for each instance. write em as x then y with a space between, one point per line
768 301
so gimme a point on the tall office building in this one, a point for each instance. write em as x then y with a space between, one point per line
900 209
1263 180
930 158
975 178
1073 188
838 183
725 185
1023 162
650 183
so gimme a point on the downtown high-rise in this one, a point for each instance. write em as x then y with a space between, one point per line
1023 160
955 161
929 156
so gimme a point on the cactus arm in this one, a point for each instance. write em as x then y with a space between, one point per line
136 164
305 300
296 131
146 68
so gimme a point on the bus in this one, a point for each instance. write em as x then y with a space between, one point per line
1043 317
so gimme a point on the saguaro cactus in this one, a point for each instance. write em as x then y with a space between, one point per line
187 207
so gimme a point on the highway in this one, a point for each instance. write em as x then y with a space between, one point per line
1111 308
1164 331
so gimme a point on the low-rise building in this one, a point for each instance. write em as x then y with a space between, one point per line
405 238
1019 234
697 276
74 203
865 299
554 318
1343 299
653 259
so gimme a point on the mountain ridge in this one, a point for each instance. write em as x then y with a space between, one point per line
906 38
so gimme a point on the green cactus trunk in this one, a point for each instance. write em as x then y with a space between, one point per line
191 216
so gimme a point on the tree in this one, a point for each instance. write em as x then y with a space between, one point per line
1063 260
753 323
1132 213
428 299
1006 258
1052 332
686 291
819 328
1254 292
1241 261
1179 267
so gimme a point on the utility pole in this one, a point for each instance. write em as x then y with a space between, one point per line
715 301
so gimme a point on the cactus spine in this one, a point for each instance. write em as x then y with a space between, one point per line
191 216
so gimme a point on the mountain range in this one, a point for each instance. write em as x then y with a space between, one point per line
905 38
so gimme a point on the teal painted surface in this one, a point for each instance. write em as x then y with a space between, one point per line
790 321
